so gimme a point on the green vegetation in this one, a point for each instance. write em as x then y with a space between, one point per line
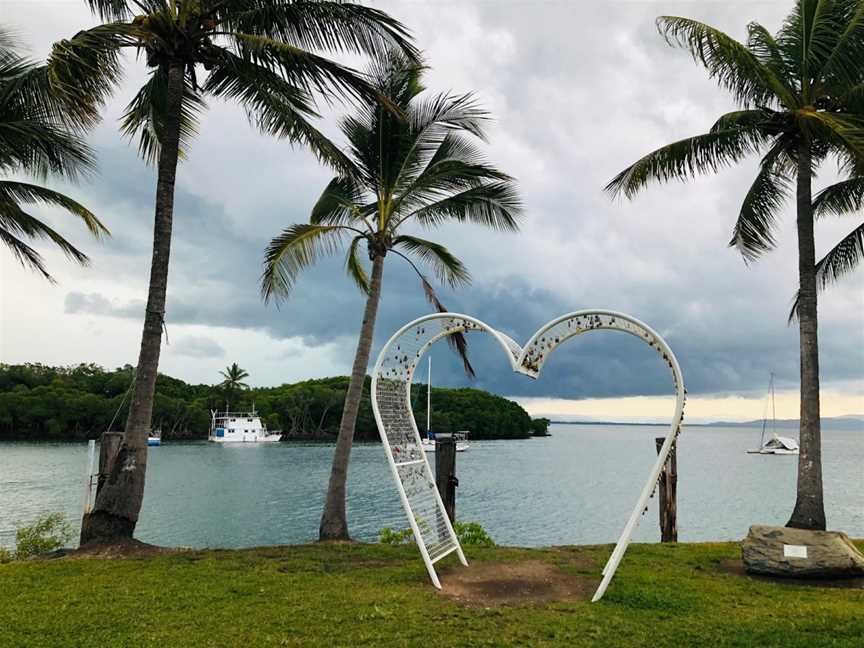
49 533
799 105
77 403
379 595
470 534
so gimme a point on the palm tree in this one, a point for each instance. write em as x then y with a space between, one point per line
801 101
420 168
37 140
233 379
259 54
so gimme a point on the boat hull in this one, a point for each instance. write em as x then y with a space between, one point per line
270 438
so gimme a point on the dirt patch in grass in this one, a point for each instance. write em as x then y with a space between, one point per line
124 549
736 568
504 584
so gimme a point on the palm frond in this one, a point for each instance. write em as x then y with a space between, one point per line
687 158
85 70
146 115
320 26
447 268
339 203
110 10
841 198
354 266
294 250
21 192
273 105
841 260
496 205
456 341
15 222
305 70
735 67
841 54
754 230
840 130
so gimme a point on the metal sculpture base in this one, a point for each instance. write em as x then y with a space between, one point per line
415 480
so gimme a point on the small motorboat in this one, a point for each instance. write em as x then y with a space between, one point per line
776 445
154 438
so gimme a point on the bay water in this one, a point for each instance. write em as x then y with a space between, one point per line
577 486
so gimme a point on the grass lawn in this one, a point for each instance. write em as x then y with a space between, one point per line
376 595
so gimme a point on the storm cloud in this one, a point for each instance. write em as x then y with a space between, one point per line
576 96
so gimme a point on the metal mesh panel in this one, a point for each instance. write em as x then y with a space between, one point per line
393 376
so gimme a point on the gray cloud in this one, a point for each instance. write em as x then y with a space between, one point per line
198 347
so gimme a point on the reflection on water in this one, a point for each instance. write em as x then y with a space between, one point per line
577 486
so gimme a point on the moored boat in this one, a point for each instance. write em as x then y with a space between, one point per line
776 445
154 438
239 427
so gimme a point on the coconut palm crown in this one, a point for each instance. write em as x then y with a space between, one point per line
262 54
232 377
800 96
417 167
36 140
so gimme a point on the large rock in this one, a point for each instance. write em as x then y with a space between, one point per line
800 553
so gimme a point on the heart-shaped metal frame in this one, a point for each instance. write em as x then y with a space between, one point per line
391 404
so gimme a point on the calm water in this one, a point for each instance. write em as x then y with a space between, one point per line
577 486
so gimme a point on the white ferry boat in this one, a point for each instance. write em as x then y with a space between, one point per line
239 427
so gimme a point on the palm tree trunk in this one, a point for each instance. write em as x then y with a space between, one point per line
118 501
809 510
334 523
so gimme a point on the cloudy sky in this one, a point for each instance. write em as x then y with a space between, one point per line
577 95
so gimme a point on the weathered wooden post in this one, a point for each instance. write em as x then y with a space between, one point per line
668 487
445 472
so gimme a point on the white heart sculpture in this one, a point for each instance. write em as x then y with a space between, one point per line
391 404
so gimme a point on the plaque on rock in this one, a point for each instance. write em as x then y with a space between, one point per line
800 553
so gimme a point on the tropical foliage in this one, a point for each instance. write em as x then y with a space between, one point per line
79 402
800 96
36 139
415 166
263 55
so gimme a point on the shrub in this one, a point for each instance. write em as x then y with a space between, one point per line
6 555
48 533
470 534
391 537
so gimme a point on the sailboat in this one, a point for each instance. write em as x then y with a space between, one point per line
428 442
776 445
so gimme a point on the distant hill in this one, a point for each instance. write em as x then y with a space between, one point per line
828 423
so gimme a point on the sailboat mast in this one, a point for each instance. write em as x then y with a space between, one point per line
429 398
773 408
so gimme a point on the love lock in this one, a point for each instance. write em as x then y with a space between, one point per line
391 404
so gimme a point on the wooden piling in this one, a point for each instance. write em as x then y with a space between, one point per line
668 495
445 472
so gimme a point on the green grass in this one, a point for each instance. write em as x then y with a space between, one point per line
376 595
